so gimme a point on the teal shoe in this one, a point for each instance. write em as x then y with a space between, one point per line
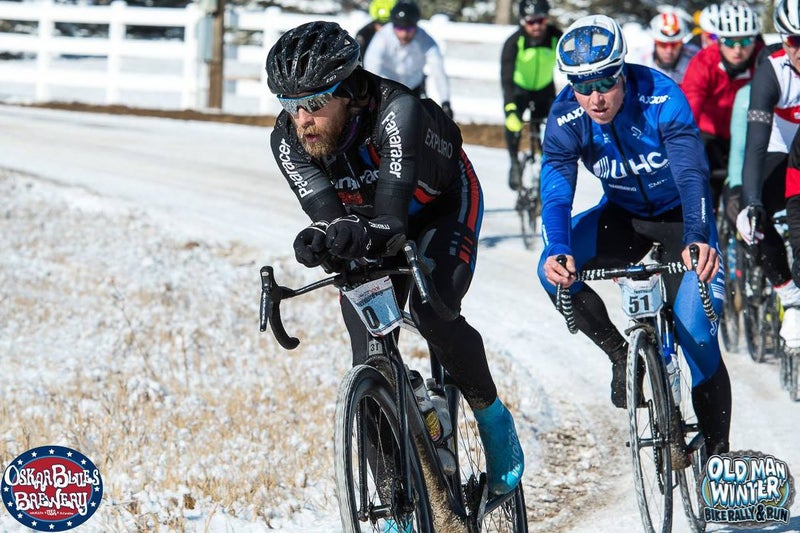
391 527
505 461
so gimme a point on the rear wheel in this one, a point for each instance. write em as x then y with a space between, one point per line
369 475
729 327
648 417
794 370
502 514
754 313
526 209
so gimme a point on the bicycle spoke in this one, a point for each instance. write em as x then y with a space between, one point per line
371 484
509 516
648 436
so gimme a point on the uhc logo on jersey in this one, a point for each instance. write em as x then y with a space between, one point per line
607 168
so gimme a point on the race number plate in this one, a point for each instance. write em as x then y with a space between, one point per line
376 305
641 298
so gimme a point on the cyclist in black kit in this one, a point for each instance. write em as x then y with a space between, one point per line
369 161
527 64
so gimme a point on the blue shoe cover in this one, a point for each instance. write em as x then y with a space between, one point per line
505 461
390 526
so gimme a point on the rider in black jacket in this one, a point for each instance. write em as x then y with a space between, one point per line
368 161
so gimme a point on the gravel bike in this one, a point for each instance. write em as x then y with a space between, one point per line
762 312
667 447
391 475
529 201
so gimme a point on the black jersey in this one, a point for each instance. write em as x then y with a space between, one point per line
407 155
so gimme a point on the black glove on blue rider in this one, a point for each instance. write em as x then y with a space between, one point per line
348 237
309 245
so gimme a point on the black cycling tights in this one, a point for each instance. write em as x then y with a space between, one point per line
456 344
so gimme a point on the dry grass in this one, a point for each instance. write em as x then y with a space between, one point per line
142 351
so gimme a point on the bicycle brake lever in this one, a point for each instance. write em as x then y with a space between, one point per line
270 312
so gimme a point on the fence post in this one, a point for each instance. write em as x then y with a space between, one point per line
116 38
44 53
270 35
191 58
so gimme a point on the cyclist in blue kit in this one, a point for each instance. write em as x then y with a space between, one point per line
633 129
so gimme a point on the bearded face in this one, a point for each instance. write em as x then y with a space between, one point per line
320 132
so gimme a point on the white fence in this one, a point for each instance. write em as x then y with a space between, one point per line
172 74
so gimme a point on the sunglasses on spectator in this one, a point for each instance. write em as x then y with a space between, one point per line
668 45
311 103
792 41
530 21
744 42
602 85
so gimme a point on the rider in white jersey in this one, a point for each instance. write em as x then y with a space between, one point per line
404 52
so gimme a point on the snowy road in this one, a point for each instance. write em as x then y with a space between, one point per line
218 182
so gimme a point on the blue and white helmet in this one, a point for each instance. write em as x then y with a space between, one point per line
592 47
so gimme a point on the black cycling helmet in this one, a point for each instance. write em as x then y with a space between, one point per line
405 14
310 57
533 8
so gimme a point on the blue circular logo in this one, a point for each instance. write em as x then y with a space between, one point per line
51 488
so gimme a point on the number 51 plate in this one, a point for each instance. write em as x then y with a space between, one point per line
376 305
641 298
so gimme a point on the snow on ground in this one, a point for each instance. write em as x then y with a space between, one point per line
129 278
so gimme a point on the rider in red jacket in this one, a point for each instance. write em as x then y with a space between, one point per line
713 78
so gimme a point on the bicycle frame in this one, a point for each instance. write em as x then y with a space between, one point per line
651 312
384 356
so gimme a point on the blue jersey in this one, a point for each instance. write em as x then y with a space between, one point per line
650 158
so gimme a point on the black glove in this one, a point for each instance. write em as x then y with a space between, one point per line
447 109
309 245
733 199
348 237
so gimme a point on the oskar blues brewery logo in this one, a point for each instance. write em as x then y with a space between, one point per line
747 489
51 488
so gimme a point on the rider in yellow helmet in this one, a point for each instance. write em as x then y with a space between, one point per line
379 10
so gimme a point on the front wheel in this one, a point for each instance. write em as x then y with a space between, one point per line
503 514
689 479
648 417
370 479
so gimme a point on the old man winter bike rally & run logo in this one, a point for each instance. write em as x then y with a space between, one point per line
51 488
746 489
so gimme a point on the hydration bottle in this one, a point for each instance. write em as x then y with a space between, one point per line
674 378
426 407
439 401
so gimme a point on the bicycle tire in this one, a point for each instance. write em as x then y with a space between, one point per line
730 325
369 486
689 479
753 313
527 218
794 378
511 516
649 432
